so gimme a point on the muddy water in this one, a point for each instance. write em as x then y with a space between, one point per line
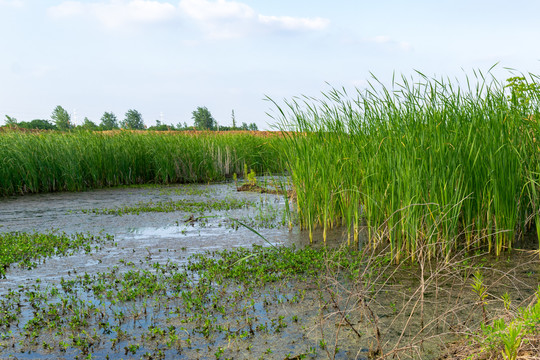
387 300
159 236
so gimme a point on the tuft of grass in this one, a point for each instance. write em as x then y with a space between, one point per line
423 160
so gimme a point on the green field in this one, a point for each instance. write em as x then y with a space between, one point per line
33 162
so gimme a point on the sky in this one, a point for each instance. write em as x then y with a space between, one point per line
166 58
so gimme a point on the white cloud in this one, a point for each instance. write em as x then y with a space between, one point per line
220 19
204 10
294 23
117 13
228 19
217 19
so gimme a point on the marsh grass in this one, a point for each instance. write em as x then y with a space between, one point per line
53 161
466 156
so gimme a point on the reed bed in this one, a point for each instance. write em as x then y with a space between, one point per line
426 161
32 162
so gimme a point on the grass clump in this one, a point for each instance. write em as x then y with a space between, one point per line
424 157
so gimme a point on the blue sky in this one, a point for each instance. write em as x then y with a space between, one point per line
166 58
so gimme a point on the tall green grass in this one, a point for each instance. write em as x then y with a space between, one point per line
422 161
53 161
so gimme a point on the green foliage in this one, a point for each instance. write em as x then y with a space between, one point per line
109 121
133 120
521 92
249 177
189 206
203 120
37 124
61 118
511 339
45 162
478 286
160 127
26 248
506 337
422 162
10 120
480 291
249 127
188 307
89 125
183 126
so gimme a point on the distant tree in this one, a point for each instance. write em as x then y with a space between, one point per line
37 124
253 127
89 125
202 119
10 120
182 126
160 127
244 126
133 120
233 121
61 118
109 121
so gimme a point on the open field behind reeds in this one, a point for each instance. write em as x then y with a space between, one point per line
420 162
32 162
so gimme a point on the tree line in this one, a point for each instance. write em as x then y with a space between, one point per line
61 120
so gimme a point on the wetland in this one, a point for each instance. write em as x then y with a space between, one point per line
190 281
407 226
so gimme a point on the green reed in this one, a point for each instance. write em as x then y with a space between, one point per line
422 161
52 161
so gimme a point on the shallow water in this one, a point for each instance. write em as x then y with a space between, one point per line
152 237
160 236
